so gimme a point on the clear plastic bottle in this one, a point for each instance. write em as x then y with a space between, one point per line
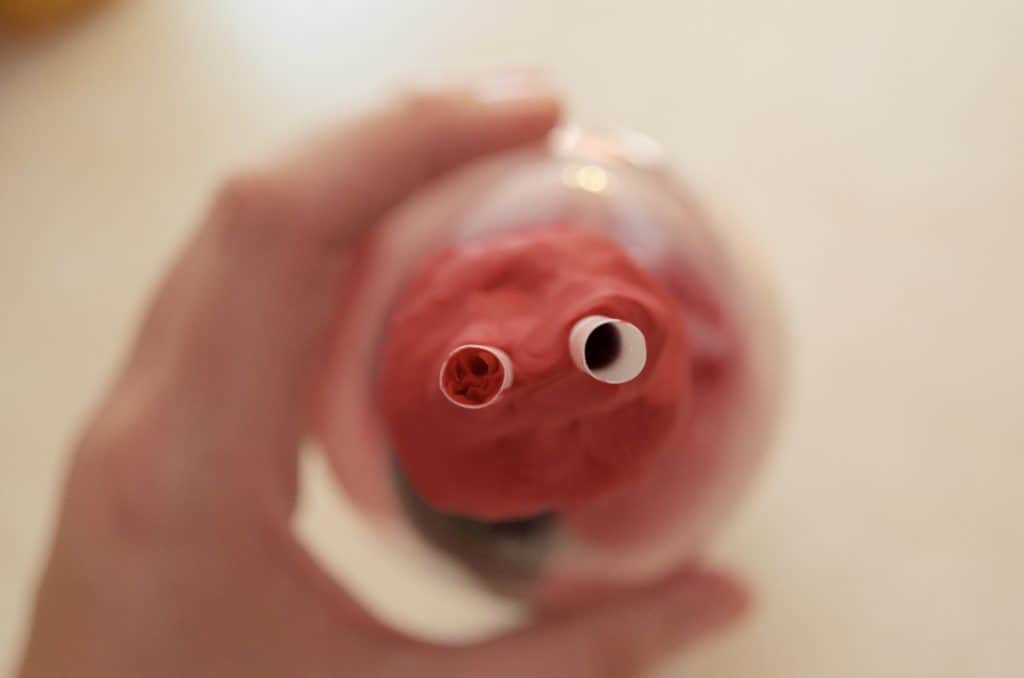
613 184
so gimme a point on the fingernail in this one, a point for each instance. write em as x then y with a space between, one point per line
513 86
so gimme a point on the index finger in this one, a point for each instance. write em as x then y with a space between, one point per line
349 176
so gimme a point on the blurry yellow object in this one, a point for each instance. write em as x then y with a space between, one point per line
38 14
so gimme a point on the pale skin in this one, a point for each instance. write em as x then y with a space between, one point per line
174 553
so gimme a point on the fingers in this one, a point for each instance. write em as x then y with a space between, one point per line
216 393
349 177
622 638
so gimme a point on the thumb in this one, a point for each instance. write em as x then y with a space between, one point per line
625 637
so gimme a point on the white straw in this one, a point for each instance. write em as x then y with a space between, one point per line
629 362
506 382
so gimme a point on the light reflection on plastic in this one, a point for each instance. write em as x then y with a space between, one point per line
590 178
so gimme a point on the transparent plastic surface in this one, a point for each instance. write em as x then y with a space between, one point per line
613 184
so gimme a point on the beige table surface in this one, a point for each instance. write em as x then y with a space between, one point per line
873 150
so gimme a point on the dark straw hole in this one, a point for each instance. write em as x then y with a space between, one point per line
603 346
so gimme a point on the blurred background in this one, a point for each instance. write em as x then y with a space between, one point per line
873 151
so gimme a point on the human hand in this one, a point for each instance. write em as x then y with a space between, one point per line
174 555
